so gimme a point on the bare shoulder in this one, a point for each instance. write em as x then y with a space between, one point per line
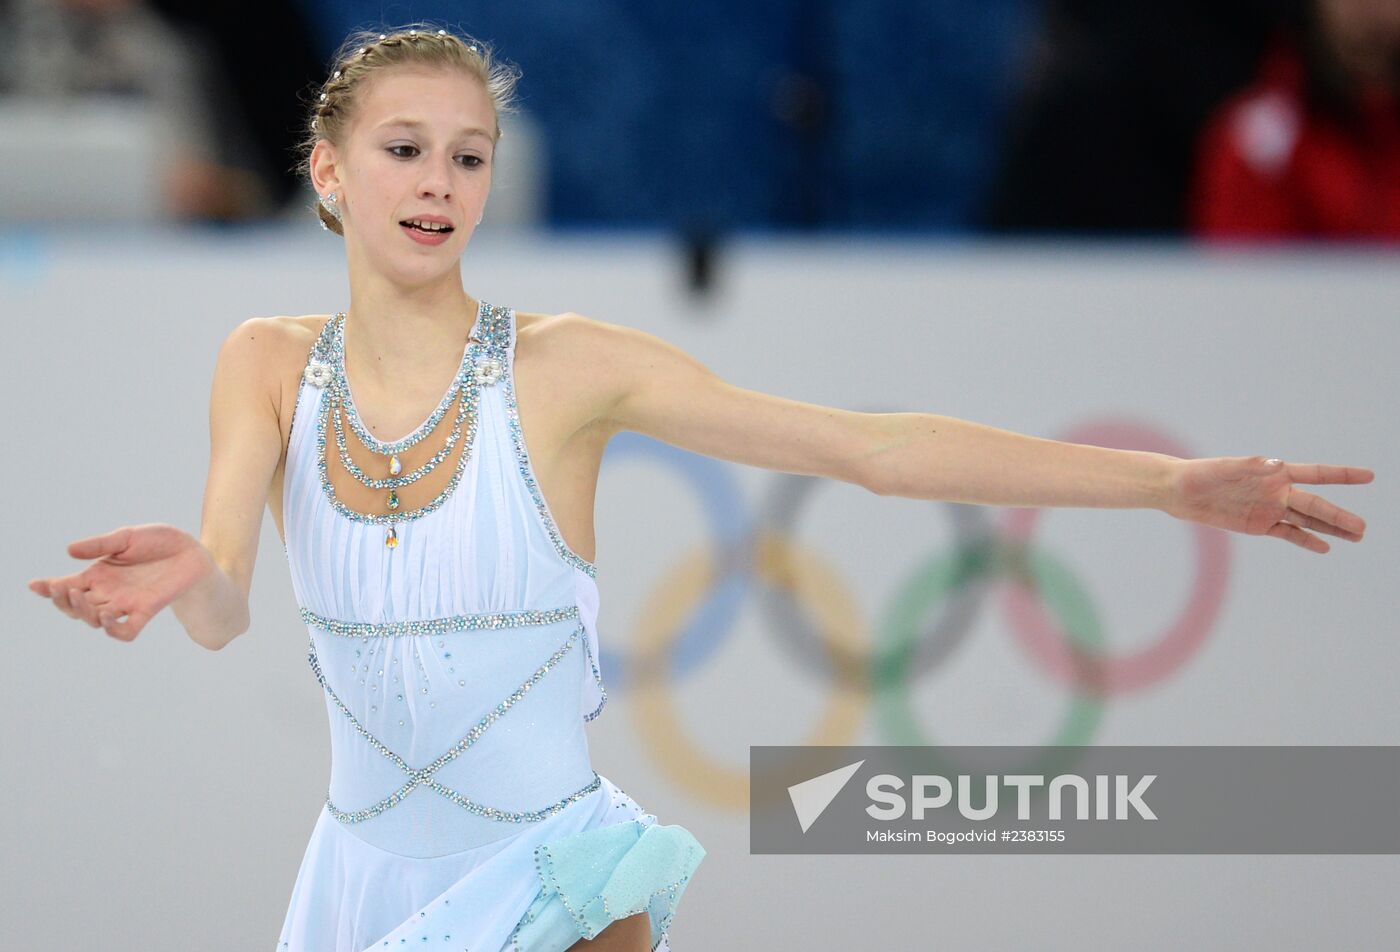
593 344
267 355
582 358
571 344
553 328
277 339
273 349
290 335
609 366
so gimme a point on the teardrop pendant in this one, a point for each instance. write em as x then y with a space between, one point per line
392 539
393 499
395 467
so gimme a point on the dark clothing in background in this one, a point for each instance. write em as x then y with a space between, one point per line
266 61
1104 137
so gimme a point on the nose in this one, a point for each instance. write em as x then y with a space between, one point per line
437 178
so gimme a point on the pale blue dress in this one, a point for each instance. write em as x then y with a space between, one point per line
458 668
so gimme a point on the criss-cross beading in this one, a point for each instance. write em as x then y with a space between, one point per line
424 776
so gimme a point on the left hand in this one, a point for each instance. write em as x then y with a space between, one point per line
1256 496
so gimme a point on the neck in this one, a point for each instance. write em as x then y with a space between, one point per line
396 335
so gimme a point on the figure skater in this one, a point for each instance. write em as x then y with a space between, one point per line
438 529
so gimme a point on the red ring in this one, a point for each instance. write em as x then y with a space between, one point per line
1107 673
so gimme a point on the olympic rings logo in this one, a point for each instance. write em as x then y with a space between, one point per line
695 604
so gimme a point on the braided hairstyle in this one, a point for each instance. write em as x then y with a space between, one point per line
366 52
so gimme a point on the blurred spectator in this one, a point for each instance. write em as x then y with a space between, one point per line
267 63
66 49
1113 103
1312 147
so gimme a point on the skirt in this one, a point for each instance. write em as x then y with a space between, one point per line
542 889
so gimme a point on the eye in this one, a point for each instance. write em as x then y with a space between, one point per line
473 161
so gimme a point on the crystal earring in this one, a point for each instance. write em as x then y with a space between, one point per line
329 204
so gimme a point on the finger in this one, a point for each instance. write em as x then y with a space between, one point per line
95 547
86 612
1292 533
1317 525
39 586
1320 508
1318 473
123 627
60 598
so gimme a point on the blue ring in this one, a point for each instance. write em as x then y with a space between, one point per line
718 492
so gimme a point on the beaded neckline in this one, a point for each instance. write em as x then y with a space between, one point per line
424 428
328 352
486 359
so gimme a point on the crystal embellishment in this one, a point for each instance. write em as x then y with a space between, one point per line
436 626
489 370
485 362
337 402
424 776
317 373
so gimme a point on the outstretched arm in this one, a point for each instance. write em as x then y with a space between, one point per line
657 389
205 581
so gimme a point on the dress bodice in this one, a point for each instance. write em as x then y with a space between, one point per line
456 642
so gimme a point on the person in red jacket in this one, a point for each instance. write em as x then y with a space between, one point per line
1312 147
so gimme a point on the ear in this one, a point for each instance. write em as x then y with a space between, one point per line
324 173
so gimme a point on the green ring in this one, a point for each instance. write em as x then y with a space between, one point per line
930 582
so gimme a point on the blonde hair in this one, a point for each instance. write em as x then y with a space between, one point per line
365 53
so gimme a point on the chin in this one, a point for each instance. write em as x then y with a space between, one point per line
424 271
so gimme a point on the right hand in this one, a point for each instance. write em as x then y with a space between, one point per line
140 570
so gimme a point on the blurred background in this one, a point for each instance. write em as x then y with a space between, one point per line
1259 118
1162 226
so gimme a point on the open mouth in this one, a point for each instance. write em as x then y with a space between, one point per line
440 230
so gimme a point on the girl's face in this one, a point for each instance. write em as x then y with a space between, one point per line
421 144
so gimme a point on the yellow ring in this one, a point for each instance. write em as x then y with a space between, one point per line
776 563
